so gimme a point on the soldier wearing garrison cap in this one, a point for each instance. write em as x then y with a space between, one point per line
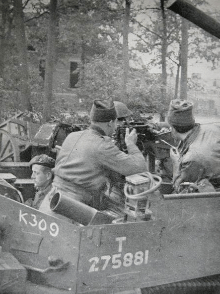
197 157
88 158
42 175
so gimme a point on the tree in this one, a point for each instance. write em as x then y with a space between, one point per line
50 61
154 34
164 54
96 24
95 30
103 81
171 45
195 43
177 76
22 55
125 49
5 29
184 60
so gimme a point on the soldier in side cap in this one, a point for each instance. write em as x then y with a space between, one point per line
42 175
197 157
88 157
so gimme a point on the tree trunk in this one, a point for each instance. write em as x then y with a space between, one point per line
177 81
83 60
4 15
164 54
4 8
184 58
22 56
50 61
125 50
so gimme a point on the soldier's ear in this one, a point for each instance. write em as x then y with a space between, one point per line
49 174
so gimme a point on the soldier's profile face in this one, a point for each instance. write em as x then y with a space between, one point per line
39 176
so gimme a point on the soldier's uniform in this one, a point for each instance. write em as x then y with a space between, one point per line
87 159
198 154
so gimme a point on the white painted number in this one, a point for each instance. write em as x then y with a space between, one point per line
128 259
139 258
106 258
93 267
117 260
54 229
32 220
42 225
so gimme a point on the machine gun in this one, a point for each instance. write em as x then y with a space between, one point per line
153 143
145 132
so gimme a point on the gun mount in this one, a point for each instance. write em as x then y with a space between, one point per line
144 132
153 143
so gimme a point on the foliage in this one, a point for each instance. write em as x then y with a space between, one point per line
103 78
94 28
202 46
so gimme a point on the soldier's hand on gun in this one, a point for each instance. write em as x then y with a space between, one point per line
130 137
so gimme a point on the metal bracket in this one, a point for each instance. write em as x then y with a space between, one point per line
95 235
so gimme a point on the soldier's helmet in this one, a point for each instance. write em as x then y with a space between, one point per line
44 160
122 110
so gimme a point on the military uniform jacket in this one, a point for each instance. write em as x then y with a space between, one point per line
199 156
86 160
39 197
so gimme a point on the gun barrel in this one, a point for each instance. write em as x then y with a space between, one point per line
196 16
191 195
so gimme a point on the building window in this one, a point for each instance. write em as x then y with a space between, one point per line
42 66
74 74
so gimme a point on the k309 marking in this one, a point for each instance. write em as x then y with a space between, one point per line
33 220
118 260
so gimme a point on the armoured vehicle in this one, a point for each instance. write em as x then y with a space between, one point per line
148 241
151 242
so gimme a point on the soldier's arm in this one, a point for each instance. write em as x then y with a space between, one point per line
190 171
126 164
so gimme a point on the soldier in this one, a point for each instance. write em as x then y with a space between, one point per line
197 156
123 113
88 157
42 175
117 181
